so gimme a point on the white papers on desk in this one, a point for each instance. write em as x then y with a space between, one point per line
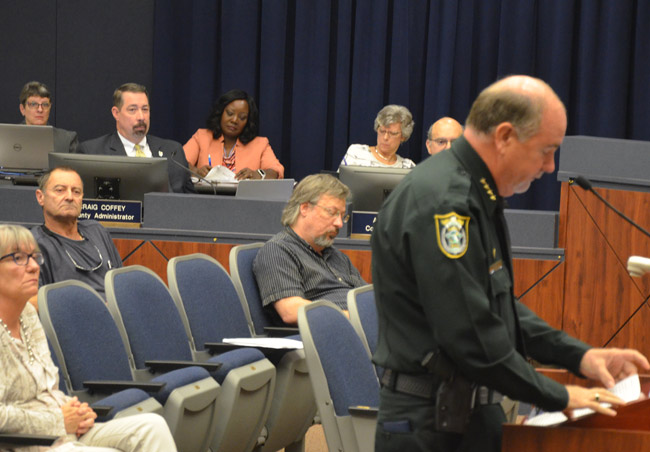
267 342
628 389
220 174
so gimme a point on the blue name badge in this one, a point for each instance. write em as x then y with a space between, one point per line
111 213
362 224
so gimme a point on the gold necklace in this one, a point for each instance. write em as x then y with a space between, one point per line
385 159
24 334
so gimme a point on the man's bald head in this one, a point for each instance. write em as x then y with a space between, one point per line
518 99
442 133
516 125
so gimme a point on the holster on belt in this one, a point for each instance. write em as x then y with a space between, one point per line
454 402
455 394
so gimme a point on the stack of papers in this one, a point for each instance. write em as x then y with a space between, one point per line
221 174
266 342
628 389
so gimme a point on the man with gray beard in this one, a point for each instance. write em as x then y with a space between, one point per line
131 111
299 264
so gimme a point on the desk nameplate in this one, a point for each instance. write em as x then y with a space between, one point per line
112 213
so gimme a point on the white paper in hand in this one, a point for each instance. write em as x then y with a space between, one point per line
628 389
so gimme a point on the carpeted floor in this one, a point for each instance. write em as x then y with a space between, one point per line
315 440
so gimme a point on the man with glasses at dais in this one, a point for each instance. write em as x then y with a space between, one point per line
442 133
299 264
72 249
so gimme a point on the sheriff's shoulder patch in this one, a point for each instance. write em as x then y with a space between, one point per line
451 232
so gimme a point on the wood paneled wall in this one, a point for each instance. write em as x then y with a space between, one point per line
539 284
544 297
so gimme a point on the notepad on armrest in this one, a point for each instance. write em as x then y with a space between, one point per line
267 342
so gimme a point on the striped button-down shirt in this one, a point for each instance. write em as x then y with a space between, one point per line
287 266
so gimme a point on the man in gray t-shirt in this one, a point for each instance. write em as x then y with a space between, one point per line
72 249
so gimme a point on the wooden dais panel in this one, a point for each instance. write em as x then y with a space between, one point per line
603 305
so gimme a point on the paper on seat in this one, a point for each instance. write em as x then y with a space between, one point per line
268 342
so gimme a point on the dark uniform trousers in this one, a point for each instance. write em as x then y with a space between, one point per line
407 424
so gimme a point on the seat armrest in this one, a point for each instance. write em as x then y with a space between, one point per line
280 331
13 440
101 410
364 425
216 348
360 410
221 347
159 366
112 386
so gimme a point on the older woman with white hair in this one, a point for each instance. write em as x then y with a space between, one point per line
30 401
394 125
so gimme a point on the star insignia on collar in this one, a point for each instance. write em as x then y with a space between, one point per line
488 189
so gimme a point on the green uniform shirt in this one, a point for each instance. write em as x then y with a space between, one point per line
442 277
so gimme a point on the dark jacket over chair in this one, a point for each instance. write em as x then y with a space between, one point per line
65 140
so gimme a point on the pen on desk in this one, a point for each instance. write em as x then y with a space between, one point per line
209 160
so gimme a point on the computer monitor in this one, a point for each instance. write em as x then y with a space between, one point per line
268 189
116 177
24 147
370 186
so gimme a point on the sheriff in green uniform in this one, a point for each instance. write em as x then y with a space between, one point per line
452 337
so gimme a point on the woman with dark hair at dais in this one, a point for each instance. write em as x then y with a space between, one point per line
230 139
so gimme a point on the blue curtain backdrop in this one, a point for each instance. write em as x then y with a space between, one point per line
321 69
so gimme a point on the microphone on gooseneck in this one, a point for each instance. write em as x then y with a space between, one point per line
585 184
197 175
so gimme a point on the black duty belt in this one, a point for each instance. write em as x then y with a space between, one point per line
419 385
426 386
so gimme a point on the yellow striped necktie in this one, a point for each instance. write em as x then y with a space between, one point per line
138 151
